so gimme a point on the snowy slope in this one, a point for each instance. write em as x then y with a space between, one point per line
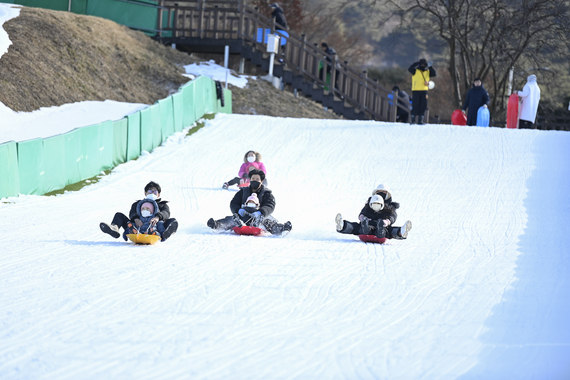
479 290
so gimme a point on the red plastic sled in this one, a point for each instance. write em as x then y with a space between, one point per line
458 118
248 230
513 112
372 239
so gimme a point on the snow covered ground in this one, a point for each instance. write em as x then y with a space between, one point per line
478 291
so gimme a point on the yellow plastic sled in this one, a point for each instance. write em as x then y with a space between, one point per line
143 238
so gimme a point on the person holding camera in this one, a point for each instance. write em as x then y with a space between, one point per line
422 71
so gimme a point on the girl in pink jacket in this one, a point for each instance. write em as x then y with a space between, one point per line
251 161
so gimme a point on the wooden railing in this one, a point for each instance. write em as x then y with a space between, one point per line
234 20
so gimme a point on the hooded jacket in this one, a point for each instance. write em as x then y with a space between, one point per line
279 17
388 212
162 214
266 200
530 98
245 167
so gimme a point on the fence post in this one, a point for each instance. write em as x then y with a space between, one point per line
333 73
175 21
201 7
241 10
301 64
363 89
394 109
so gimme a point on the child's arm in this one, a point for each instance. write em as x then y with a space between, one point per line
242 171
262 168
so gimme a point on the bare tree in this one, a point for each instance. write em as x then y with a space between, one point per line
487 38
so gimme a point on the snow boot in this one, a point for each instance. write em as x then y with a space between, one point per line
405 229
413 119
364 226
225 185
172 228
112 229
287 226
211 223
421 120
339 222
237 220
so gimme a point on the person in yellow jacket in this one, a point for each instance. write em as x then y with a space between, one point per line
421 72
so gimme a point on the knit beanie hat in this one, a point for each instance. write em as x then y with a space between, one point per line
253 198
148 205
376 199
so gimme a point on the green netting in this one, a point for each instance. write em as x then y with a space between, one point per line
9 176
139 16
210 96
156 125
166 117
31 166
89 164
178 108
54 163
73 156
146 131
120 141
227 108
189 95
106 137
134 136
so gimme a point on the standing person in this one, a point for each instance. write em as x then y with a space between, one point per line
476 98
404 100
245 213
421 72
280 22
330 51
133 222
530 98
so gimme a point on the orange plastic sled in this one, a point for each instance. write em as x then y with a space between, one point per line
143 238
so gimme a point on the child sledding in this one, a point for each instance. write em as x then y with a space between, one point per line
377 219
251 161
252 206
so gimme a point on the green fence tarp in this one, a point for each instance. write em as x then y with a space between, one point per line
89 163
200 99
210 96
227 108
54 163
138 14
146 137
158 138
106 137
31 166
189 102
166 117
134 136
73 156
120 141
9 176
178 108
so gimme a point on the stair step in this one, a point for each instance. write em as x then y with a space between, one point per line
317 94
328 100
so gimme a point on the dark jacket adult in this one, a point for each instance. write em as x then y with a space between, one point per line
279 15
477 96
266 200
388 212
163 213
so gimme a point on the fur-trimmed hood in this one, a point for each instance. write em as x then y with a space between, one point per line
257 156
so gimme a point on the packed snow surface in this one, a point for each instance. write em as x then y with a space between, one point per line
479 290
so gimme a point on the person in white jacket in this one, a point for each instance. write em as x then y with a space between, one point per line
530 98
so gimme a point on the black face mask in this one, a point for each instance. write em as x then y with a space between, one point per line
254 185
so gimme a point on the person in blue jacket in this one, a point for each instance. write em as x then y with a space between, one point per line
477 97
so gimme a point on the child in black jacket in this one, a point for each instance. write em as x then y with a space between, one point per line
376 218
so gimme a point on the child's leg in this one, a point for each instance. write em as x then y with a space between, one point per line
234 181
160 227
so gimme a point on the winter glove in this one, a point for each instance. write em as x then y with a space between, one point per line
429 64
138 223
484 105
242 212
387 222
257 219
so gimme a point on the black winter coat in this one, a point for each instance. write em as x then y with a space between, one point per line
266 200
476 97
162 214
388 212
279 18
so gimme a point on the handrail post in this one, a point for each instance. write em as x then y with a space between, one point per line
201 7
363 89
333 73
394 109
241 10
159 19
175 21
301 66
